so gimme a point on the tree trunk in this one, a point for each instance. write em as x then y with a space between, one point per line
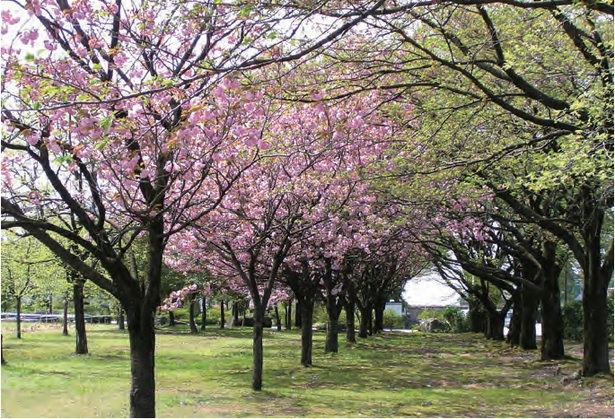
142 345
257 348
349 309
306 333
595 336
287 314
595 290
222 318
235 313
2 360
370 322
278 322
331 342
191 315
65 317
495 325
379 315
514 327
18 306
120 320
552 339
527 334
204 313
298 315
81 340
477 316
366 314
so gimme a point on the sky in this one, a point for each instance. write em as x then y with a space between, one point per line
429 290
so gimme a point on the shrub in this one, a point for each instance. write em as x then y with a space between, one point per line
456 319
451 315
392 320
572 316
431 313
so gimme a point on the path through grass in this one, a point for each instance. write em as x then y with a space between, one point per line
208 375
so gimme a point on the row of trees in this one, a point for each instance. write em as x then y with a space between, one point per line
314 147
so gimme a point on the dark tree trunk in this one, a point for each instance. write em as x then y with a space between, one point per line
349 309
495 325
331 342
370 322
306 333
595 289
235 312
288 314
222 318
298 315
552 340
514 327
50 304
65 317
278 322
191 315
477 318
18 306
257 348
204 313
142 345
379 315
366 314
595 336
122 326
81 340
527 333
2 360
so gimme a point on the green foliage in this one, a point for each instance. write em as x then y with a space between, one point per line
572 314
456 319
392 320
453 316
430 313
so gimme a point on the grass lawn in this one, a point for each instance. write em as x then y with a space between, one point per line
209 375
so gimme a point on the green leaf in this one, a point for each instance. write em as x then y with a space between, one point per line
106 122
63 159
245 11
101 144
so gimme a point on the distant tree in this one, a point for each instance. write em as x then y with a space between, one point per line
24 260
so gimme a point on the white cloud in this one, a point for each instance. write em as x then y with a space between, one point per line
429 290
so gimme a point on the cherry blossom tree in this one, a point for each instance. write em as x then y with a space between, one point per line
124 116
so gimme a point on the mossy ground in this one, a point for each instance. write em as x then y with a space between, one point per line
209 375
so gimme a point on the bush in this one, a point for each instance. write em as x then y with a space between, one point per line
456 319
572 316
392 320
431 313
452 315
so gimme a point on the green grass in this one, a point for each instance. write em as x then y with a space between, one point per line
209 375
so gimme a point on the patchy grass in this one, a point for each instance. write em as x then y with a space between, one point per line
209 375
